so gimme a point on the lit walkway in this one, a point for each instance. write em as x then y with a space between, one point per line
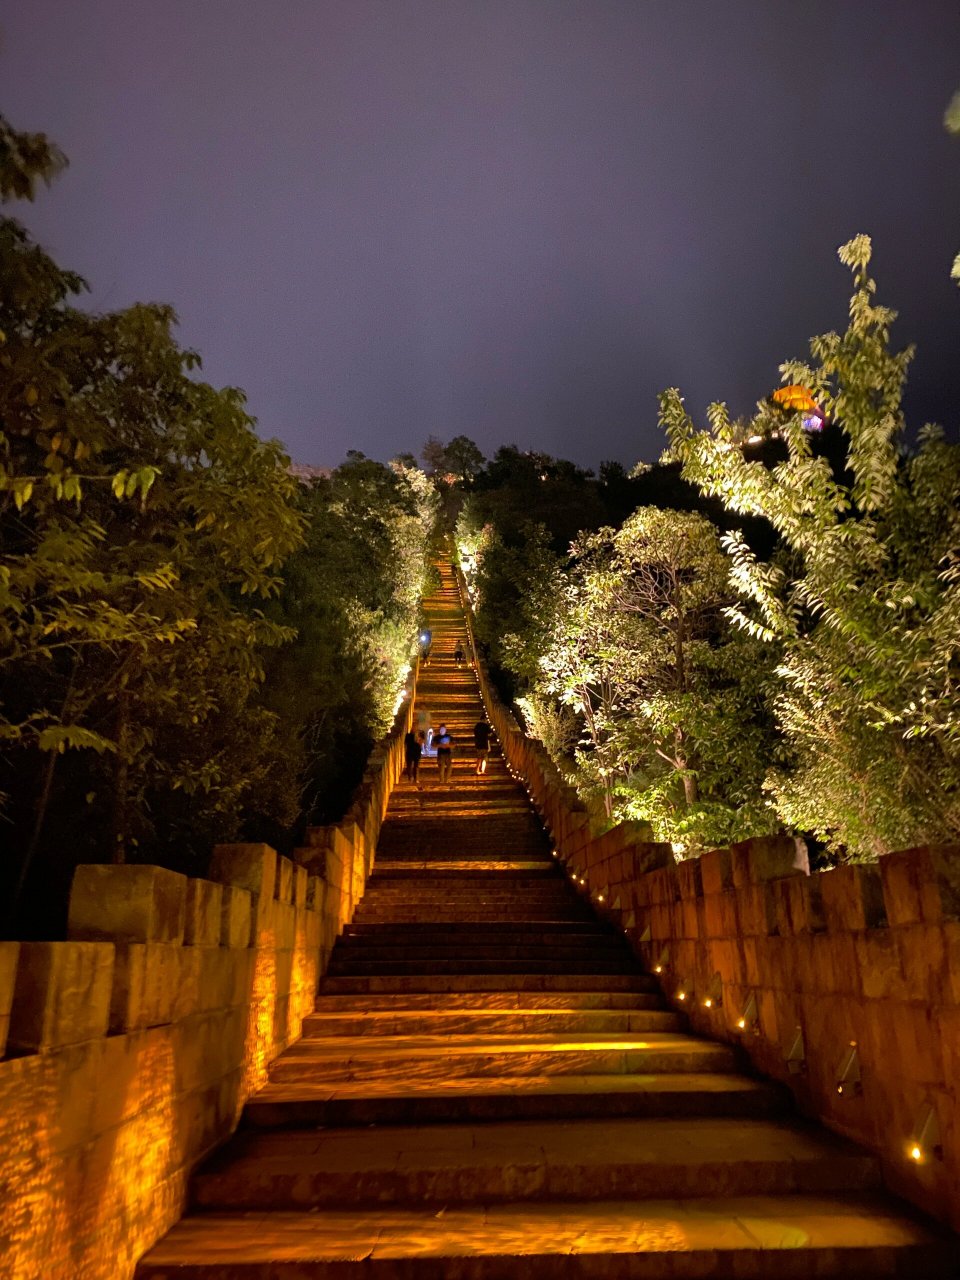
490 1088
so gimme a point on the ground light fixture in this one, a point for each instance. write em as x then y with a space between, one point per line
714 997
749 1019
925 1143
663 961
848 1073
683 990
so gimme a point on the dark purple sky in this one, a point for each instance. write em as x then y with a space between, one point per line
515 219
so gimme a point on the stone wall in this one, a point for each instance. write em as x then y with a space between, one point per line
843 984
128 1051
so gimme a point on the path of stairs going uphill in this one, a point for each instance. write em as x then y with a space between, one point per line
491 1088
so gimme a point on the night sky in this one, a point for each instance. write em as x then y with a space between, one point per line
512 219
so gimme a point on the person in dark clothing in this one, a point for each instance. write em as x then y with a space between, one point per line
412 751
458 654
444 745
482 733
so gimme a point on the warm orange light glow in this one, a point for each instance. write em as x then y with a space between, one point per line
658 968
681 995
916 1153
742 1024
708 1003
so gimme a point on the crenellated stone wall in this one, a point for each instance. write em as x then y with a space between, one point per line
128 1051
843 984
133 1046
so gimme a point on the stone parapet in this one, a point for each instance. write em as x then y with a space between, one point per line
133 1046
341 856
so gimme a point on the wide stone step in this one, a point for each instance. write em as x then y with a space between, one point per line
439 1058
494 1001
500 1162
511 946
761 1237
522 1022
499 984
305 1104
344 966
561 930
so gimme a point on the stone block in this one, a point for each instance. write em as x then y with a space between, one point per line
768 858
61 994
690 879
881 966
921 884
127 903
852 898
315 894
757 910
834 967
716 870
235 917
9 952
798 905
146 982
300 879
284 880
923 957
204 904
245 866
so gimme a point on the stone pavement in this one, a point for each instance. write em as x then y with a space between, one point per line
490 1087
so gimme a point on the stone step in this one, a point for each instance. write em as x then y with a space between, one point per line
439 1058
305 1104
494 1001
341 966
504 1161
521 1022
509 946
381 984
469 913
831 1237
429 929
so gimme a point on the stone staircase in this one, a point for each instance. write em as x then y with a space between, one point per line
491 1088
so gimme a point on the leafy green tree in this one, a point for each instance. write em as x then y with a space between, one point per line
669 694
140 516
353 595
863 602
26 158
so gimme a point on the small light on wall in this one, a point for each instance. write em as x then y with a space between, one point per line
848 1073
663 961
797 1054
600 897
749 1019
714 997
682 990
925 1140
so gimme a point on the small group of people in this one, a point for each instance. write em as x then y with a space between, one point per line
418 743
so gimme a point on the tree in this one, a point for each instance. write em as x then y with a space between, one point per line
353 595
26 158
668 692
140 516
863 600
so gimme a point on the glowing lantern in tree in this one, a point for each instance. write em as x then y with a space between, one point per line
797 399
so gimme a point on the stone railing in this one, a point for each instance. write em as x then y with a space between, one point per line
343 852
132 1047
843 984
